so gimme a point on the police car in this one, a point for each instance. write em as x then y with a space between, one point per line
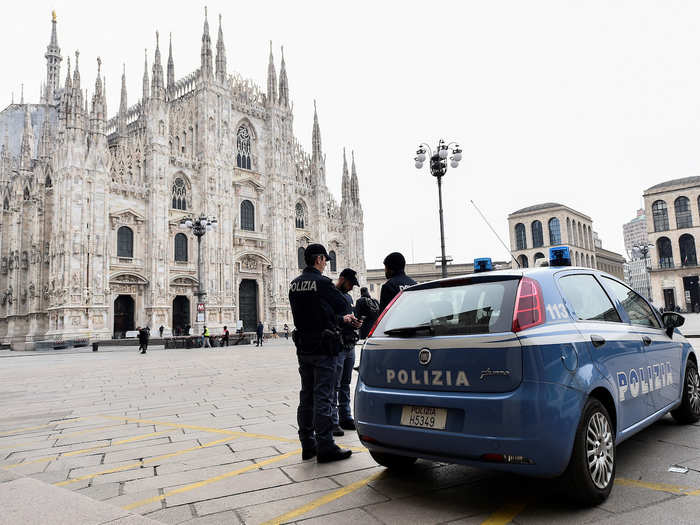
539 371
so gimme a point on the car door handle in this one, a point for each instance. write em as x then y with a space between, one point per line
647 340
597 340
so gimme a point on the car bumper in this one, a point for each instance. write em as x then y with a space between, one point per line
537 421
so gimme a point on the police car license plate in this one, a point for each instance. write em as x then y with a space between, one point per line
424 417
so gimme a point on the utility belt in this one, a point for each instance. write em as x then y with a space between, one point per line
326 342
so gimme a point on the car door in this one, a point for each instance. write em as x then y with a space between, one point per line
664 374
615 348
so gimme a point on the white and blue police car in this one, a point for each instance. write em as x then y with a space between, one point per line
538 371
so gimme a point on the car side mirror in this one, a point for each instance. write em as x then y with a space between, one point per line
671 321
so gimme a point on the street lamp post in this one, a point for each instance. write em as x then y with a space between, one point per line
438 169
643 250
199 226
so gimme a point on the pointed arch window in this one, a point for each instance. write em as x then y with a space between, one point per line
333 262
300 258
684 219
659 212
47 181
537 237
181 247
300 215
179 194
520 239
247 216
243 148
26 194
6 204
554 231
125 242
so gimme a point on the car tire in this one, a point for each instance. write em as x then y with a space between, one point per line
393 461
689 411
590 482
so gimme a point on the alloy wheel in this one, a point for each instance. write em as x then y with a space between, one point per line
600 450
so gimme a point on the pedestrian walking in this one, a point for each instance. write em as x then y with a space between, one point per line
205 337
224 338
286 331
317 307
367 309
397 280
143 339
160 331
342 413
259 333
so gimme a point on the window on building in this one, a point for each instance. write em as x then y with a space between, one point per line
300 214
332 261
179 194
686 243
665 251
181 247
125 242
247 216
537 237
522 260
659 213
243 148
554 231
6 204
538 256
300 258
520 237
588 300
684 219
26 194
47 181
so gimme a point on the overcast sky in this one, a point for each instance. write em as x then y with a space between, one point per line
582 103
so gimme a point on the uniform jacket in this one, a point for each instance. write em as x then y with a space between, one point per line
392 287
316 303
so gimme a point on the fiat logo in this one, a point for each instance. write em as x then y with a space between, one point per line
424 356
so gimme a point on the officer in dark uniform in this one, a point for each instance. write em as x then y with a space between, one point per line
394 269
318 309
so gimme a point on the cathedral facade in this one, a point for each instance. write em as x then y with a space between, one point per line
91 243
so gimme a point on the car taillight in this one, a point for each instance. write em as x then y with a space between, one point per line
529 305
374 326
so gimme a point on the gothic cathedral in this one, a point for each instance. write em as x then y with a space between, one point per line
90 239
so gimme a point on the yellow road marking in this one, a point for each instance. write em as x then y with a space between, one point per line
288 516
60 455
26 429
60 436
205 482
144 462
505 514
660 487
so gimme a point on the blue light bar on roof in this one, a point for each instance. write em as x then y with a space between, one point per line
483 264
559 256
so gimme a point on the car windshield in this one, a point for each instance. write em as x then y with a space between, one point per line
478 308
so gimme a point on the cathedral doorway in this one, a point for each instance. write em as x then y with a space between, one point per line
181 315
248 304
123 315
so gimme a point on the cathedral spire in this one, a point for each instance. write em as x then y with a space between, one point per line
157 85
284 88
99 106
45 140
354 183
78 99
206 62
27 145
171 64
316 154
53 62
145 76
123 101
271 79
220 55
346 182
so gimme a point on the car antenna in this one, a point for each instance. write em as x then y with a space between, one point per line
494 232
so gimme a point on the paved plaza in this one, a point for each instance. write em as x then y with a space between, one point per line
209 436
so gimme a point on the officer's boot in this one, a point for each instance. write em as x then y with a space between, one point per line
334 454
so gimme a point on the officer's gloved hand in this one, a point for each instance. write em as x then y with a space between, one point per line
352 320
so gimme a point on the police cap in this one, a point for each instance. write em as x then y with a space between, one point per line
350 275
314 250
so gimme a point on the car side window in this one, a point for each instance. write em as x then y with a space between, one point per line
588 299
637 309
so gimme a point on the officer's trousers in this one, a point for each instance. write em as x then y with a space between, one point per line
314 415
341 397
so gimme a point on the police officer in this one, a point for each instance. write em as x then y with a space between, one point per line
318 309
342 414
394 270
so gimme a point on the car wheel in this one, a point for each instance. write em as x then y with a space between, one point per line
689 411
393 461
591 470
